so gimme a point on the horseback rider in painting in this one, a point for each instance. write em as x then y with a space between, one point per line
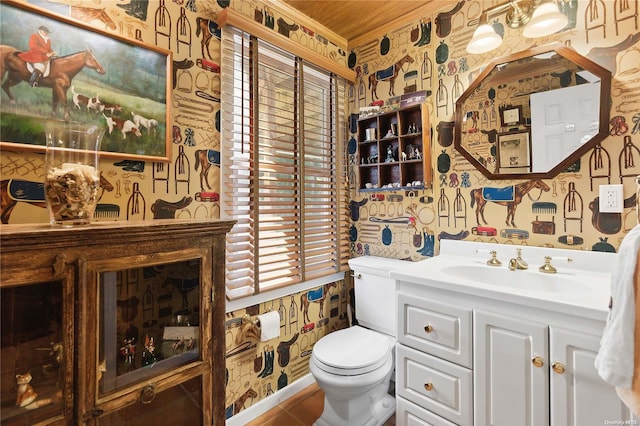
39 55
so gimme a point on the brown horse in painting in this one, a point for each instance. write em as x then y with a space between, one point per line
7 202
63 70
519 191
381 75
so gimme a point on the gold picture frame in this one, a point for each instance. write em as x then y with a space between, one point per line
117 80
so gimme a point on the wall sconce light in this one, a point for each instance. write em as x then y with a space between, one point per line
539 20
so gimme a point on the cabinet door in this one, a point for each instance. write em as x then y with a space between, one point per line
511 387
36 345
146 324
578 395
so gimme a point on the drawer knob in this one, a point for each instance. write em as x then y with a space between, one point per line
428 386
428 328
558 367
537 361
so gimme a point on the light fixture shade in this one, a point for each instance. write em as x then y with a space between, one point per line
484 39
546 20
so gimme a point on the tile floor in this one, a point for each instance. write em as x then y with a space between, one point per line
300 410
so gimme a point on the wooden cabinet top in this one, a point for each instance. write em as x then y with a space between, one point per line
32 236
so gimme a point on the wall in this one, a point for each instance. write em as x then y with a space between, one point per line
440 64
255 369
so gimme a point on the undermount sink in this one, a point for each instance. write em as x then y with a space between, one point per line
530 279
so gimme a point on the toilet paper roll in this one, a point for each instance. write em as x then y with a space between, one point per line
269 324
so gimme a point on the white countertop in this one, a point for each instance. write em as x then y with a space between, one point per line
580 288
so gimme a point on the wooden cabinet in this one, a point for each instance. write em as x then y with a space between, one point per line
116 323
394 150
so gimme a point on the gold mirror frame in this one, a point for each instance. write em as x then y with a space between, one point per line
477 85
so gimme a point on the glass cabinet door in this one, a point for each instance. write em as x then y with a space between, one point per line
152 317
36 347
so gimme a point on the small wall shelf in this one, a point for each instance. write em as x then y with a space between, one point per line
394 150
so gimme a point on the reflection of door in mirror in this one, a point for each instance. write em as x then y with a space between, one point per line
564 119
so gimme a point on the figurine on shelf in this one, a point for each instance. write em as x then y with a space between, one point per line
389 134
26 397
149 356
102 368
417 155
403 155
411 151
128 351
26 394
389 158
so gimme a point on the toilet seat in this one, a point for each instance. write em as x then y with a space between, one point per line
352 351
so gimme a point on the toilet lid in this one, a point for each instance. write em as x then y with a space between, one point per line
356 350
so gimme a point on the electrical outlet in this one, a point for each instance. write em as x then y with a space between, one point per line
611 199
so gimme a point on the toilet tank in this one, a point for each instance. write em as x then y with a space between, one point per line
375 292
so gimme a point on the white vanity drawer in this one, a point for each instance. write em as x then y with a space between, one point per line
409 414
436 385
438 328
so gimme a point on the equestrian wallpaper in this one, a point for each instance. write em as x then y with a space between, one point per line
427 55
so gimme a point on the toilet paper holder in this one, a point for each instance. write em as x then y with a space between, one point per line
255 321
249 328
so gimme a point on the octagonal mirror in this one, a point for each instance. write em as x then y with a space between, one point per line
534 113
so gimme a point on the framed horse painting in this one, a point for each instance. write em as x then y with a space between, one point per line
56 68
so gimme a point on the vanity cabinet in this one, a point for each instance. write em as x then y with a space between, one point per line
470 360
394 150
117 323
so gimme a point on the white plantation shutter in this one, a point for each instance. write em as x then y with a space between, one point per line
283 175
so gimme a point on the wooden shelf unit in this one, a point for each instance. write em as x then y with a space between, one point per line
394 150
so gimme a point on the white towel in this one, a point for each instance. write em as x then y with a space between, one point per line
615 360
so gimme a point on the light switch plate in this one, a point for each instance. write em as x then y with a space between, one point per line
611 198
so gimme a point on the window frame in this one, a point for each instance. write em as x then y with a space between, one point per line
249 224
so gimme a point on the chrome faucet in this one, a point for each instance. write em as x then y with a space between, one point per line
548 268
518 262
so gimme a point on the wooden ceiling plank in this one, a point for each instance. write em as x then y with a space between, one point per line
302 19
427 9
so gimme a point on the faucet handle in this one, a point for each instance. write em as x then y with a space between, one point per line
520 262
550 269
494 259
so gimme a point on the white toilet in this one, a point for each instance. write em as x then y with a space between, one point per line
354 366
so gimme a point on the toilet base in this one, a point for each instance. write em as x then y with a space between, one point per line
359 411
